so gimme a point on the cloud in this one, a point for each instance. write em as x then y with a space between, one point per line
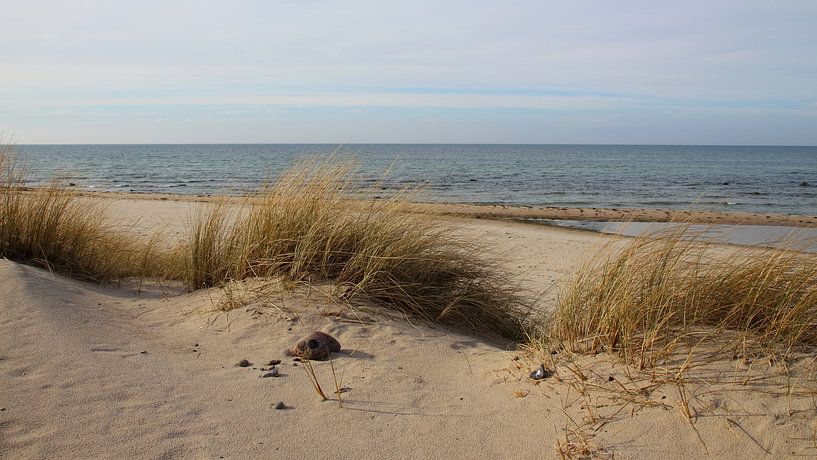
725 58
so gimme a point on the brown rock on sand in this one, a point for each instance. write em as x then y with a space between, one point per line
316 345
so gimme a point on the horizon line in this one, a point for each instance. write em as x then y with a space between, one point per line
341 144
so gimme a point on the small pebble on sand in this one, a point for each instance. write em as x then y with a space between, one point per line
243 363
280 405
272 373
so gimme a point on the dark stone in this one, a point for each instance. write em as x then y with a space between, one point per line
316 345
541 373
274 362
243 363
280 405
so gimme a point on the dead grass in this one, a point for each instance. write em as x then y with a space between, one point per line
317 222
304 227
661 291
56 228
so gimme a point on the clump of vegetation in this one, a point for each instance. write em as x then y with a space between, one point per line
306 225
659 291
316 221
56 228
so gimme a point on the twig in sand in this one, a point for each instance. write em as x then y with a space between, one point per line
469 362
310 371
337 385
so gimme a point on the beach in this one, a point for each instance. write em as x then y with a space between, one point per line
98 371
377 230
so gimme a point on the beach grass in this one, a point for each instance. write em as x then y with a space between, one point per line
58 229
639 298
318 222
645 298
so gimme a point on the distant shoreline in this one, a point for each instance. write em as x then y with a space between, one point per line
522 213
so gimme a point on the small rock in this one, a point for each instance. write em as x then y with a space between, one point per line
272 373
243 363
316 345
274 362
144 352
540 373
280 405
610 378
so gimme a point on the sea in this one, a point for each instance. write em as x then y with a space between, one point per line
761 179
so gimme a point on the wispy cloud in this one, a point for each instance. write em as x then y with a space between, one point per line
630 63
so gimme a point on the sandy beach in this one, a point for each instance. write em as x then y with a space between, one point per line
95 371
508 212
426 230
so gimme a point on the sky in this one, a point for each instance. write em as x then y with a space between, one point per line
314 71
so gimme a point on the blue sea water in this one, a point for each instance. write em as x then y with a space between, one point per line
725 178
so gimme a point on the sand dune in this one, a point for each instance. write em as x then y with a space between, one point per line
101 372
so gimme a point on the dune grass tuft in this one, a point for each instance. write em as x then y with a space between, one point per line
56 228
317 221
662 290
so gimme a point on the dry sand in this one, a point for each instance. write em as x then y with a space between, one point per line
101 372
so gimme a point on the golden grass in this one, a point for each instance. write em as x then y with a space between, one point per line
659 291
317 222
55 228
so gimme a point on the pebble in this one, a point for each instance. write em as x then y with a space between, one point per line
540 373
274 362
272 373
280 405
243 363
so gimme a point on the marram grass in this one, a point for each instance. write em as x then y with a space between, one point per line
317 222
640 300
659 291
55 228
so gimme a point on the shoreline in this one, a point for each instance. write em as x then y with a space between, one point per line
521 213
